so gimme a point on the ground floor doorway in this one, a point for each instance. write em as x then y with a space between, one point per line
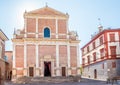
47 69
31 71
95 73
63 71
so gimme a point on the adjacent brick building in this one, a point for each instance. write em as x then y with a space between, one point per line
45 47
101 56
9 56
3 61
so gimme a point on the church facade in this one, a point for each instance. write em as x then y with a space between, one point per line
45 47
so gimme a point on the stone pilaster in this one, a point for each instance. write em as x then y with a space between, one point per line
56 24
25 72
42 68
52 65
14 65
14 74
68 54
78 60
25 25
36 27
25 59
57 61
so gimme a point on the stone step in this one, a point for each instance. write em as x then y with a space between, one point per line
47 79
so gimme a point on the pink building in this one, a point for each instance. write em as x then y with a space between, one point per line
101 55
9 56
45 47
3 61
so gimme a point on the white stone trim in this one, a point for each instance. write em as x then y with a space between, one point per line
25 56
56 24
25 21
74 44
40 33
19 68
42 70
37 27
52 69
47 43
62 34
57 55
73 68
78 56
68 54
46 17
31 33
57 61
51 33
67 29
37 59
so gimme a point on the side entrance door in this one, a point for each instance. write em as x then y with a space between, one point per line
31 71
63 71
95 73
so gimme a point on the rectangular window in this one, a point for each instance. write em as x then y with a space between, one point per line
88 59
83 52
94 45
102 53
113 64
94 56
112 37
113 51
103 66
83 61
88 49
101 40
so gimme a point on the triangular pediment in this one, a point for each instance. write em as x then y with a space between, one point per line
46 11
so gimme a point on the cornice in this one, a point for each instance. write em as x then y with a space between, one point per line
47 40
45 16
3 36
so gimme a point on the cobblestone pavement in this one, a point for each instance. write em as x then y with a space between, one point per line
82 82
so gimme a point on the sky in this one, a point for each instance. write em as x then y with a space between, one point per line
83 15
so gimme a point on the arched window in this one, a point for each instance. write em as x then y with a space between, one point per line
46 33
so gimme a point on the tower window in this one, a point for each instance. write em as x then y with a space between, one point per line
46 33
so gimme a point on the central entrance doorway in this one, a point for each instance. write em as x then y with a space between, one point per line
47 69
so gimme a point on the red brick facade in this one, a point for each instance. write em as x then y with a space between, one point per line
9 55
3 60
44 43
